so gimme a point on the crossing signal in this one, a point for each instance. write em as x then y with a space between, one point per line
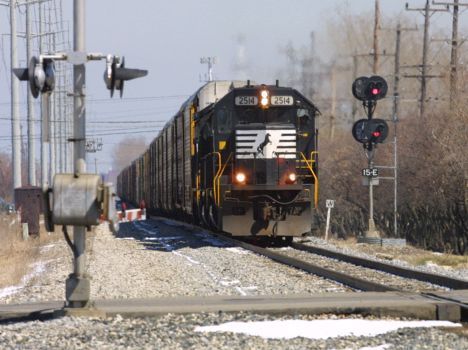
116 74
370 89
40 74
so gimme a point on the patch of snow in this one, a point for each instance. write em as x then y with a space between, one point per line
379 347
169 238
38 268
320 329
229 283
237 250
7 291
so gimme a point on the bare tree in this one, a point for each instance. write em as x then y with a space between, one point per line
6 179
127 151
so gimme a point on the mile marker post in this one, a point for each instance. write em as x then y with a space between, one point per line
330 203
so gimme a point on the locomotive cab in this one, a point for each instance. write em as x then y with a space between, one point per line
256 164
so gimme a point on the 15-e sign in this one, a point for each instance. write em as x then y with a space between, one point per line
370 172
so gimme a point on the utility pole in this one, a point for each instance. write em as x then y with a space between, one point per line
355 72
15 117
375 66
396 114
427 12
31 116
454 53
333 102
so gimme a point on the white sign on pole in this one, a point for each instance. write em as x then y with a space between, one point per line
330 203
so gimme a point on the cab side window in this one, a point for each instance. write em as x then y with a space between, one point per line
224 119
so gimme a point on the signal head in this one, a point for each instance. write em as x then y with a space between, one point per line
36 76
370 131
359 88
370 89
377 88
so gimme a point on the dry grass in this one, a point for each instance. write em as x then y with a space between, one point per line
454 261
17 255
411 255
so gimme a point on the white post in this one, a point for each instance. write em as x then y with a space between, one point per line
330 204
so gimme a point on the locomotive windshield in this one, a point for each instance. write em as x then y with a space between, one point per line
228 117
242 106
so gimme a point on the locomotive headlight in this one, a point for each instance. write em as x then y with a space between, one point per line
264 98
240 177
291 178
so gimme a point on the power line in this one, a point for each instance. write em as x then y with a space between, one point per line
4 138
427 12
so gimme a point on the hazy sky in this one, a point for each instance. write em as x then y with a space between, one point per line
169 37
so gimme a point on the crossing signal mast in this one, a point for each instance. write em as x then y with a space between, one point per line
78 199
370 132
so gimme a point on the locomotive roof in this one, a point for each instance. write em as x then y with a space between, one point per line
214 91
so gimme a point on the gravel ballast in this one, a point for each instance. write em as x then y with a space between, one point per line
178 332
161 258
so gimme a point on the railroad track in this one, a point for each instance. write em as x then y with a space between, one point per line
448 306
333 268
428 304
348 269
444 281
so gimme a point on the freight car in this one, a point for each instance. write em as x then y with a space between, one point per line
236 157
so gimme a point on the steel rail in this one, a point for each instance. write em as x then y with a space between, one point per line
353 282
440 280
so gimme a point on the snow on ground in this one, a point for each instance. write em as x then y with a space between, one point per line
37 269
320 329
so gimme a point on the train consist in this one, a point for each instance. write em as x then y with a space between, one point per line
237 158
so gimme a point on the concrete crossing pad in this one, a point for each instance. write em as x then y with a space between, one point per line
395 304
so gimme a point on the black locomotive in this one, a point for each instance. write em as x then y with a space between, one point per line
237 158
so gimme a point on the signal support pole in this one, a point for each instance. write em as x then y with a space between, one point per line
372 232
78 284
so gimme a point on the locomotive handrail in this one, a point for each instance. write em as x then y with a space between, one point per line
313 159
313 174
218 179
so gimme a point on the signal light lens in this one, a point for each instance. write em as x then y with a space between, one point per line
375 91
376 133
240 177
